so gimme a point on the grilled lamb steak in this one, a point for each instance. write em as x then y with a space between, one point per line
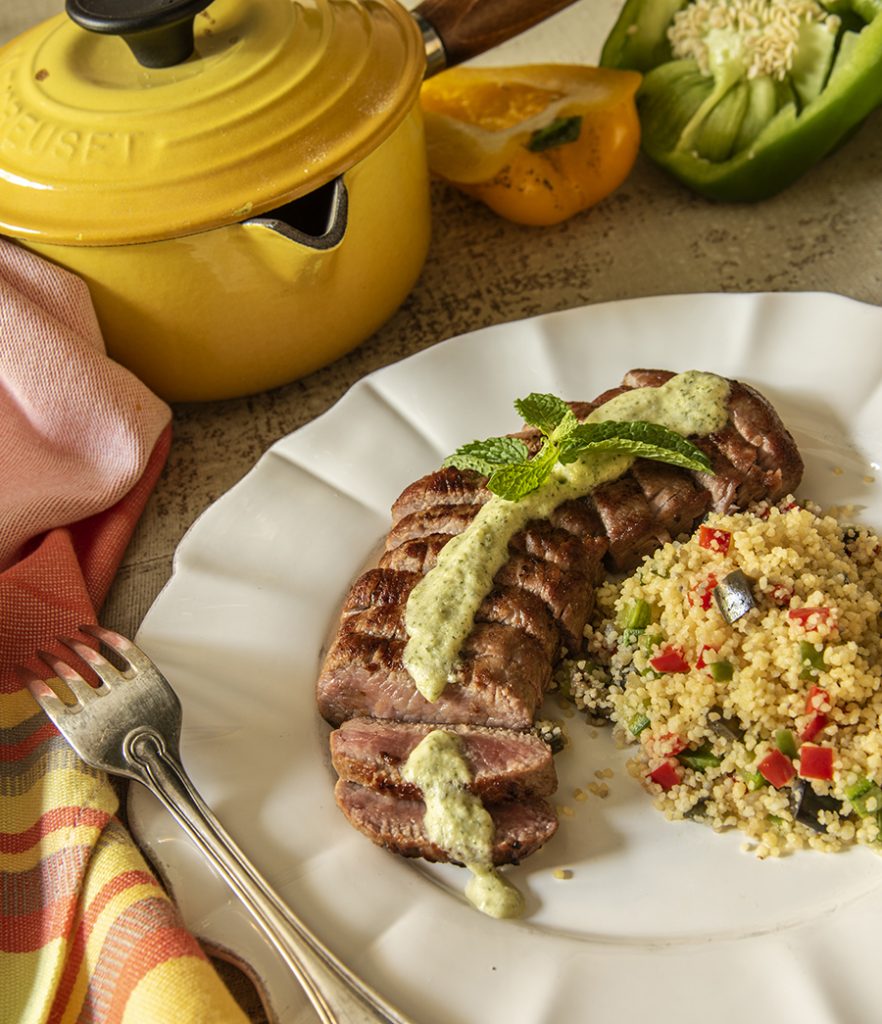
505 765
540 602
544 594
522 826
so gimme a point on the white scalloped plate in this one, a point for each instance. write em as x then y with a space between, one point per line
659 921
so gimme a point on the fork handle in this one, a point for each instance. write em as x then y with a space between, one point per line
337 995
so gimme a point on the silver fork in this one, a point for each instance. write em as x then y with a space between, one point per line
131 726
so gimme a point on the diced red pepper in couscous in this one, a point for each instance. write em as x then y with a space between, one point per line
667 775
716 540
702 594
776 768
812 618
817 724
701 663
669 744
817 699
781 595
669 660
815 762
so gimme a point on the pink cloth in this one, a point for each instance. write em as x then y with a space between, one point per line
77 429
86 932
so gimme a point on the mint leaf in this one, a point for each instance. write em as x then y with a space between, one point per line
638 438
546 412
485 457
514 482
566 426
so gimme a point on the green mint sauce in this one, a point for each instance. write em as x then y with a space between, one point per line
441 608
457 821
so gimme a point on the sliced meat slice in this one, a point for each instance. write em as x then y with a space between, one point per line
380 587
449 519
418 555
447 486
514 606
568 597
741 456
632 528
503 674
522 826
674 497
756 420
723 482
579 517
541 539
646 378
753 457
504 764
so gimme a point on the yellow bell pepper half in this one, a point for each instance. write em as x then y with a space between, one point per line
536 143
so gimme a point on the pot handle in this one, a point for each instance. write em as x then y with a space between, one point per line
159 32
465 28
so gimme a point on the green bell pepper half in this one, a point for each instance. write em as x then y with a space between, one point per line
733 138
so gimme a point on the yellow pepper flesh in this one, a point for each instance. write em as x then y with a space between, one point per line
482 122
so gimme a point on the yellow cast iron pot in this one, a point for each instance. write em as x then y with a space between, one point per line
242 184
251 305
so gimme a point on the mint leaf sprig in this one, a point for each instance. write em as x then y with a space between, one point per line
512 474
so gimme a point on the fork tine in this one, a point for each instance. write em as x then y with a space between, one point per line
43 694
82 690
121 645
107 673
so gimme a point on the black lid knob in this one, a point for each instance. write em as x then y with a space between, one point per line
159 32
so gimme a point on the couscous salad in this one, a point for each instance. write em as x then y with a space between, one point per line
743 664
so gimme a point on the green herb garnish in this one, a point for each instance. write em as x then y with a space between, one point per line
512 474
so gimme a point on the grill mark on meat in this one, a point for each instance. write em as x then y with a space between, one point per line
383 622
503 764
549 543
521 826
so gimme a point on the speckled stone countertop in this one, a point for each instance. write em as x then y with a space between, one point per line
652 237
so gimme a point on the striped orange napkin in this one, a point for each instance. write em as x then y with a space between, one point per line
86 932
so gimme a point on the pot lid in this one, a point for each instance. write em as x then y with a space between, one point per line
262 101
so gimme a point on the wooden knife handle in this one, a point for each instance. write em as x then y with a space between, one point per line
469 27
